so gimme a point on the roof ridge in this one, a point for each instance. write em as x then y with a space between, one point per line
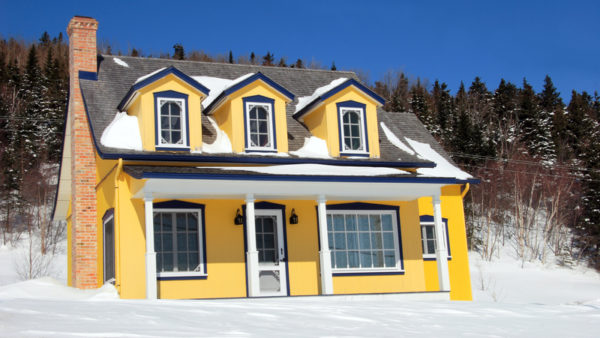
232 64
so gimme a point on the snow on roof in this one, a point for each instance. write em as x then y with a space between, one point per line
395 140
123 133
221 143
313 147
443 167
120 62
217 85
142 78
306 100
319 169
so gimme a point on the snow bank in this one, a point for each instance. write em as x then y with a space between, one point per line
443 168
123 133
142 78
120 62
318 169
313 147
395 140
306 100
221 144
50 288
217 85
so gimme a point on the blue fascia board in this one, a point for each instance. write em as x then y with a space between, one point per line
299 178
244 83
151 79
330 93
92 76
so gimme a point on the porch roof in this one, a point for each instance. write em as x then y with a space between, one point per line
211 182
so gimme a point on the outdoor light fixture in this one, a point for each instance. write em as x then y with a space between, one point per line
239 219
294 217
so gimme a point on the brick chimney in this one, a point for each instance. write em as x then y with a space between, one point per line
84 223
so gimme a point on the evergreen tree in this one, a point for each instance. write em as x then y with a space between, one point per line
268 59
552 105
419 103
442 105
578 122
399 101
282 63
230 57
536 125
178 52
45 39
135 52
333 67
252 58
299 64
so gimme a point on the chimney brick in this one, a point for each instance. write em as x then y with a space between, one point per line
84 239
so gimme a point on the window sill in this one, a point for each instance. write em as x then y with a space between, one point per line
172 148
180 276
371 272
358 154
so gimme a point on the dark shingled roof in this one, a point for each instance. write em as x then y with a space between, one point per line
103 96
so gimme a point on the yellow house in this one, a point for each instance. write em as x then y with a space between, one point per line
184 179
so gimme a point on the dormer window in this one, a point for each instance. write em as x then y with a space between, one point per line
171 121
259 124
353 131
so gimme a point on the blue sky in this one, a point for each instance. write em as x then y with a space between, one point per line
452 41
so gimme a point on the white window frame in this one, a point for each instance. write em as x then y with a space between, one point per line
424 242
269 108
392 213
183 117
362 129
200 266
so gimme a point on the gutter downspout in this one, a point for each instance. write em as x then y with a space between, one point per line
464 192
118 220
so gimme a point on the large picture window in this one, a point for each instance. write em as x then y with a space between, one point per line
363 241
178 242
259 119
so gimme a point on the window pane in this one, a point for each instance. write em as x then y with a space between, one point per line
431 246
159 263
192 222
253 126
365 241
164 109
269 255
338 222
182 261
192 242
175 110
430 231
157 241
262 127
346 130
267 224
388 240
258 224
376 242
351 222
340 241
263 140
181 221
353 259
167 242
356 144
386 222
193 261
346 118
352 240
329 223
166 136
181 242
262 113
341 259
354 130
378 259
348 143
365 259
253 113
167 261
330 238
269 241
175 137
390 258
164 122
353 117
375 222
363 222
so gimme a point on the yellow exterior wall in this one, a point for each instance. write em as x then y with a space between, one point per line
230 116
323 121
143 108
458 266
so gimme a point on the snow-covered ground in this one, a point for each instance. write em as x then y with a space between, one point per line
533 301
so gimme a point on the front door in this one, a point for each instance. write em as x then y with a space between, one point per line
271 253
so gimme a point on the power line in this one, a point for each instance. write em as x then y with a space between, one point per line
533 163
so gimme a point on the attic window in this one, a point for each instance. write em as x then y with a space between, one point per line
171 121
259 124
353 132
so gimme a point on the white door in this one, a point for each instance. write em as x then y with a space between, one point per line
271 253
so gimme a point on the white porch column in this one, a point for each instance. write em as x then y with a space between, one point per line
252 254
151 289
441 253
325 253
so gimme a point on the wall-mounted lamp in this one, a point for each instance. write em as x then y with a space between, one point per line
239 219
294 217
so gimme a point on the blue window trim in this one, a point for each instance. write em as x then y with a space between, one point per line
258 76
92 76
170 70
170 94
366 206
344 85
430 219
268 205
178 204
259 99
363 107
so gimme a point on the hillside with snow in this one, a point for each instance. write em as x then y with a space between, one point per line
509 301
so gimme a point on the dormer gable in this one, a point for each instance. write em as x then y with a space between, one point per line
167 104
251 110
344 113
